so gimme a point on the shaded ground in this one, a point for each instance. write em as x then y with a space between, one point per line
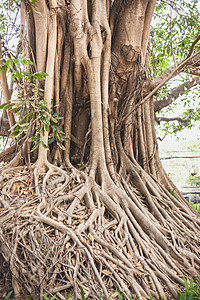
5 278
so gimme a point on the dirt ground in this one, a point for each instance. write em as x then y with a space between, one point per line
5 279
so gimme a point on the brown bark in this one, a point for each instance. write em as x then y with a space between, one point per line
5 90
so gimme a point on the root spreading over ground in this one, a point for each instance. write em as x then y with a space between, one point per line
73 232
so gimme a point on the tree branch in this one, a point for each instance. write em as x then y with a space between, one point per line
174 70
175 93
159 81
193 45
165 119
195 72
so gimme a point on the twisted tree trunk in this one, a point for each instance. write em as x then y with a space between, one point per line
102 213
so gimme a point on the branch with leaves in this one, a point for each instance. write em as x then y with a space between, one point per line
175 93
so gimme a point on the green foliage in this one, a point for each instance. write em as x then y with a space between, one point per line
8 295
30 105
83 295
33 111
175 27
196 206
18 63
192 291
194 180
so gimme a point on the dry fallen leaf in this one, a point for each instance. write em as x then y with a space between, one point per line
67 245
114 295
73 261
91 237
140 267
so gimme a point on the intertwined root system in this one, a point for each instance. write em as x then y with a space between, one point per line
73 233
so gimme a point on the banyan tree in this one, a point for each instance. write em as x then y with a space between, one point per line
85 201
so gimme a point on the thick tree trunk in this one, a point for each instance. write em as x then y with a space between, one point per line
109 216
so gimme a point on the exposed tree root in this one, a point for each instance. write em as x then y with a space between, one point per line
72 233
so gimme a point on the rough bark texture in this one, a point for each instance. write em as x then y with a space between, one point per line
101 214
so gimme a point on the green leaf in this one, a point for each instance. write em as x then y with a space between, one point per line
65 138
50 141
61 146
15 109
68 295
28 60
6 105
186 284
56 114
44 145
47 127
191 283
82 293
44 74
52 298
59 136
36 146
35 138
120 297
17 126
45 297
8 295
3 105
54 120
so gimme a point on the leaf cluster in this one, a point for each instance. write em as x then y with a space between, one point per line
192 291
175 27
32 110
15 65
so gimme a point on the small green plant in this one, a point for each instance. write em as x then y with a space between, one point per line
196 206
8 295
83 295
33 111
47 298
172 192
54 297
30 107
192 291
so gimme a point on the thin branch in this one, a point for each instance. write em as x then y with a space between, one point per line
164 136
192 47
171 40
195 72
